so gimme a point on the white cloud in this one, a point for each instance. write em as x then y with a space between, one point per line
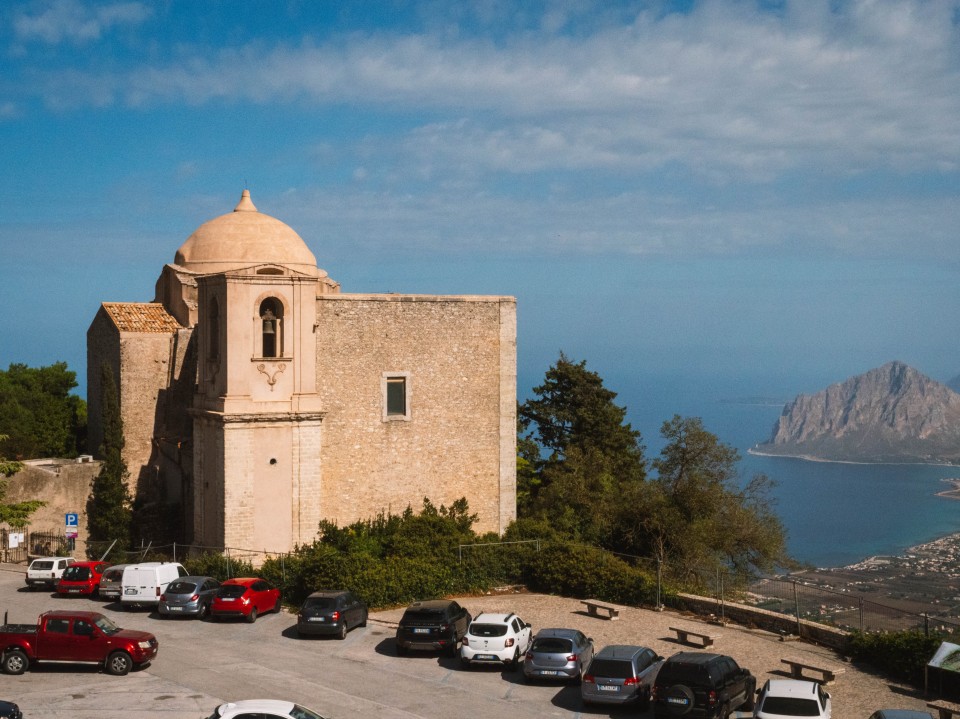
77 22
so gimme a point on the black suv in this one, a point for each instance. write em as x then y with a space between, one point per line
437 624
701 684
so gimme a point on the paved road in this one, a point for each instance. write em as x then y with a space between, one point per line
201 664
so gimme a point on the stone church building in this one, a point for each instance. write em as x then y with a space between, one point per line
257 398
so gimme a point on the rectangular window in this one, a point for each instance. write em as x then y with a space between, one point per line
396 396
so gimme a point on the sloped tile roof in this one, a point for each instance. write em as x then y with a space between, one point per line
141 317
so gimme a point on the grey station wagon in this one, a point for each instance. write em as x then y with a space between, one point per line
621 674
558 654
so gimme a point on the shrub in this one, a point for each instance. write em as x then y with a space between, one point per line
903 655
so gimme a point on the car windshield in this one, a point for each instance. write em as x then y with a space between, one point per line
612 668
682 673
112 575
181 587
552 645
76 574
231 591
791 707
41 565
106 626
320 603
488 630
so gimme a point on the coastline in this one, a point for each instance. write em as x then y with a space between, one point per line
811 458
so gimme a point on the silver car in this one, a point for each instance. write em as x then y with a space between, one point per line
188 597
562 654
621 674
111 583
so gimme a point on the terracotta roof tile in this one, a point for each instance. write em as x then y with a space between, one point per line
141 317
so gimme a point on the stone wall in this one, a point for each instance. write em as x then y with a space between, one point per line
64 484
459 357
749 616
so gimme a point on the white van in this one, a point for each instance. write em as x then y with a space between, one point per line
143 584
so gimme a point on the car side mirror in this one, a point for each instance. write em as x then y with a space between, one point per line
528 625
658 658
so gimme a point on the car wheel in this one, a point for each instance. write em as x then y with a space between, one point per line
252 616
725 711
276 607
645 700
15 662
363 622
119 664
453 648
342 632
515 662
203 610
680 699
751 700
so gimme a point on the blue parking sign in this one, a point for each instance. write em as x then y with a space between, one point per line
73 519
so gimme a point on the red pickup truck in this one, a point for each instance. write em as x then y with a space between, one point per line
74 638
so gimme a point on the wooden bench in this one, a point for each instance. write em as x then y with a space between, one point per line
683 635
797 668
595 607
944 710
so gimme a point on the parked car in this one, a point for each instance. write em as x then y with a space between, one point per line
81 579
144 583
900 714
111 583
188 597
621 674
262 709
496 639
75 637
558 654
9 710
435 624
245 597
792 698
331 611
45 572
702 684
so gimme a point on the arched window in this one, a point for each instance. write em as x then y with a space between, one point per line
271 327
213 331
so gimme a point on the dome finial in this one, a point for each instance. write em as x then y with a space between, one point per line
245 204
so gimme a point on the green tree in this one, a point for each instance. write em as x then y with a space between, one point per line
697 517
108 508
38 415
593 456
17 514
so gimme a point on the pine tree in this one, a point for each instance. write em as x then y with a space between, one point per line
108 508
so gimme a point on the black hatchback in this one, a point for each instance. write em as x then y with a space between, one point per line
437 624
331 611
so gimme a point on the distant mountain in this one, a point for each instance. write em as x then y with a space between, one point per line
889 414
954 384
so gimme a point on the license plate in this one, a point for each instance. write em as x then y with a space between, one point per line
549 673
315 619
486 656
228 599
682 701
130 590
175 609
608 688
421 630
74 591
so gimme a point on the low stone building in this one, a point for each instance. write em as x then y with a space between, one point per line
257 398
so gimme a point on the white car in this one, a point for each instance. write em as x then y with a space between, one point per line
792 698
45 572
263 709
495 639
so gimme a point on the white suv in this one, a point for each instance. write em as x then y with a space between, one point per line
45 572
495 639
792 698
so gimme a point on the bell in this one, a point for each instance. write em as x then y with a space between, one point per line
269 327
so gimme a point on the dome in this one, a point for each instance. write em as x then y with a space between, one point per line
243 238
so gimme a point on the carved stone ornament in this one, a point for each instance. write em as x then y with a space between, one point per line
272 376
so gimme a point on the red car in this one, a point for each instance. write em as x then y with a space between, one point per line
81 578
245 597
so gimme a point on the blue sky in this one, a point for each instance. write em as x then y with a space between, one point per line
763 195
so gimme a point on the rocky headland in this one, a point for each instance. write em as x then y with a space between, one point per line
891 414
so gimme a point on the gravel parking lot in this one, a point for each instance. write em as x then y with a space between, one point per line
201 664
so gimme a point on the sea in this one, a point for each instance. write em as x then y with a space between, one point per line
835 514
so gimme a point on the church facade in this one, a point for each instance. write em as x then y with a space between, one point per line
258 399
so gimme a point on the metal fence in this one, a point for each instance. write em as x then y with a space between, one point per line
845 609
